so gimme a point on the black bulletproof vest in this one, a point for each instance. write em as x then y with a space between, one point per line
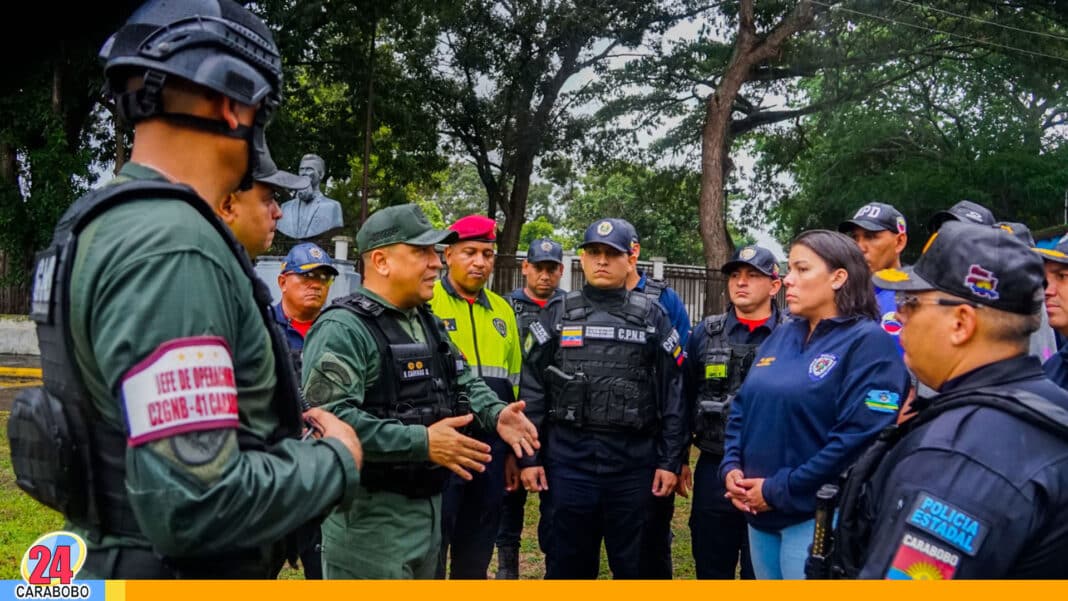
417 385
722 366
852 532
606 379
526 313
86 480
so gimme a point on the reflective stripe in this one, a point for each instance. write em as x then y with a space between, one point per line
491 371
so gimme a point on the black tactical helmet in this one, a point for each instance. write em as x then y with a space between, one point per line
217 44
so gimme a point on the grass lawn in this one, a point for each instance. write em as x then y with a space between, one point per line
22 520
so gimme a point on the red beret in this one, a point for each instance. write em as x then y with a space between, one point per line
475 227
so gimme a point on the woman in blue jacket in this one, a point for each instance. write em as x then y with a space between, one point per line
821 388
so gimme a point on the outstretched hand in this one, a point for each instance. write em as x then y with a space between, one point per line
515 429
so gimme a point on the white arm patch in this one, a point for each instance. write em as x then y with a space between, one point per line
185 385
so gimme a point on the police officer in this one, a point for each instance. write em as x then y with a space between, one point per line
190 403
307 273
1056 306
542 269
881 232
253 214
719 355
603 383
482 325
381 361
974 486
657 536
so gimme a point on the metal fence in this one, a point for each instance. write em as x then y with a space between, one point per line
14 298
703 291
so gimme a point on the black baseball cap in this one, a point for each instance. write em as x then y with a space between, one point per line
757 257
1020 230
544 249
979 263
876 217
964 210
617 233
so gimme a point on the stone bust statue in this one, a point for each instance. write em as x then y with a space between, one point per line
310 213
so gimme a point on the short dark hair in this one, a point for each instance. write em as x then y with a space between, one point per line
838 251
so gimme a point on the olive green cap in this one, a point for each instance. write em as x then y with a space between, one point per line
401 224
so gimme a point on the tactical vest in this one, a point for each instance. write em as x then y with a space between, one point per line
654 288
606 379
852 533
526 313
63 454
723 367
417 385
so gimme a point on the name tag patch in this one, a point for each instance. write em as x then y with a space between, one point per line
919 559
571 337
715 371
415 370
601 332
944 521
186 385
539 332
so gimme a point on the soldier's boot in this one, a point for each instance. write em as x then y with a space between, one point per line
507 563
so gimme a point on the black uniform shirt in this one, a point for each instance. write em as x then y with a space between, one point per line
975 493
605 452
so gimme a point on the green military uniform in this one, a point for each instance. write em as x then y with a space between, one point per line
148 273
381 534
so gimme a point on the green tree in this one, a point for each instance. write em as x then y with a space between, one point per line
497 81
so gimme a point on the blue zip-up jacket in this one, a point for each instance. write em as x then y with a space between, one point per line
1056 367
808 408
673 306
1002 482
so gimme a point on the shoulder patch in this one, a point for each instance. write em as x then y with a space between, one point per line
185 385
500 326
539 333
882 401
919 559
822 365
671 342
891 324
937 518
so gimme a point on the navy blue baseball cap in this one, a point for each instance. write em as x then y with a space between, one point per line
876 217
544 249
617 233
979 263
757 257
1057 254
305 257
964 210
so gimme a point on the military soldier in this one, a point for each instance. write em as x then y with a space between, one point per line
253 214
155 335
718 357
937 497
381 361
603 383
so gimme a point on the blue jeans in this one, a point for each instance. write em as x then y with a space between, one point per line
781 554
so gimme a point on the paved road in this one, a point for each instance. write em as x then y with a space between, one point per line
9 387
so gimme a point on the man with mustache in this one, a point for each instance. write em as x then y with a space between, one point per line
483 326
307 273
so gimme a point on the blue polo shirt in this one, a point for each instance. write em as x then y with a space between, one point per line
808 408
673 305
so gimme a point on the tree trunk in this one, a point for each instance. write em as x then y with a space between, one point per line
514 218
715 134
8 166
364 197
